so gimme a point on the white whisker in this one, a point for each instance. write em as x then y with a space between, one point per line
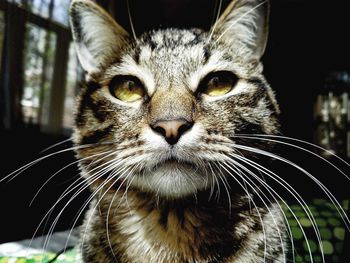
87 202
130 20
294 193
20 170
113 175
301 141
70 189
256 208
263 183
335 202
215 22
93 178
212 184
56 144
272 192
65 167
303 149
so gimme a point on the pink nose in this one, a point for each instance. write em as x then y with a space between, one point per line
172 130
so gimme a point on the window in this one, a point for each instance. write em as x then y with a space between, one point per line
74 73
60 11
40 51
55 10
38 68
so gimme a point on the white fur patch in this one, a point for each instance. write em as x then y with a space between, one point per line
171 179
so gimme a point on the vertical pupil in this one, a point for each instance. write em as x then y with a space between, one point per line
215 81
130 85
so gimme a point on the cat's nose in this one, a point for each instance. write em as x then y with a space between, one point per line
172 130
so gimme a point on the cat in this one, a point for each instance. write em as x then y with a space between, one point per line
156 133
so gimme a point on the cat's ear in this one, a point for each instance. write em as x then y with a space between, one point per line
98 38
244 22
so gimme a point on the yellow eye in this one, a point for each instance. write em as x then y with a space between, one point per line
218 83
127 89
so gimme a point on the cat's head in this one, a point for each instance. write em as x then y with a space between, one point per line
160 113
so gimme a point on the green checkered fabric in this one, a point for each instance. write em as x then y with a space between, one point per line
67 257
331 230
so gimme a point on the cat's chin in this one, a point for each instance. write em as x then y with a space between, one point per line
172 179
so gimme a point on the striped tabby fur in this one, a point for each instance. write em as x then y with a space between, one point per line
157 200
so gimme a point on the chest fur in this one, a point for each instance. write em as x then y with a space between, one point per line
139 230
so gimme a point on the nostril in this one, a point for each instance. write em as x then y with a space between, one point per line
185 127
172 130
159 130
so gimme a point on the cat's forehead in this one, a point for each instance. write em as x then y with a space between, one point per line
163 58
176 57
172 51
172 38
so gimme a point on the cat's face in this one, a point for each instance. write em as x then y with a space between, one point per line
162 110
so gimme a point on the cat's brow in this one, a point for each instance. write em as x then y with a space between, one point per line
129 67
215 63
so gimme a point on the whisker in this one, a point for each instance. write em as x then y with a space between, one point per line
214 23
20 170
56 144
303 149
112 201
256 208
226 186
294 193
51 229
301 141
212 185
217 183
101 187
94 177
83 207
65 167
331 197
130 20
254 187
70 189
272 192
264 184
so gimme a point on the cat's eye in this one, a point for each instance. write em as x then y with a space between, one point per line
218 83
127 88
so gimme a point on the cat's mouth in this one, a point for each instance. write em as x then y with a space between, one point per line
174 163
172 178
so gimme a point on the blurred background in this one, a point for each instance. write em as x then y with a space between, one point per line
307 63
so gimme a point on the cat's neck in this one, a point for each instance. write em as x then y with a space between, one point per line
194 229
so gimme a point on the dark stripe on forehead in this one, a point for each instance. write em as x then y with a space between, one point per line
197 38
172 38
207 54
136 55
146 39
96 136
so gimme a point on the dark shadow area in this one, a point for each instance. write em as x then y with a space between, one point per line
21 213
